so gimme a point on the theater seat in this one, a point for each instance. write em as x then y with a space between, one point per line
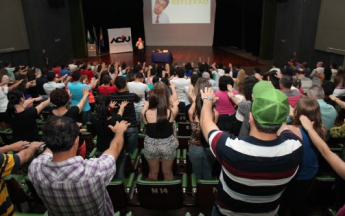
90 145
181 117
330 212
184 129
6 136
183 142
321 192
18 194
204 191
121 192
161 195
141 138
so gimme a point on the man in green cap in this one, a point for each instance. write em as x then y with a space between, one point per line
255 168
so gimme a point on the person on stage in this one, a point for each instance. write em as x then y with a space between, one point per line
141 51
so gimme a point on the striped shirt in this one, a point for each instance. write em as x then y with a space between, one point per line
129 112
9 164
74 186
254 172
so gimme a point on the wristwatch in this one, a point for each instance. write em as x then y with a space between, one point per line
208 97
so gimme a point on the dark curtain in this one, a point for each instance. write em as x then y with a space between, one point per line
242 18
107 14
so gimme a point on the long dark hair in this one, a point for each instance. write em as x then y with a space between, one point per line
102 110
249 83
14 97
199 85
158 100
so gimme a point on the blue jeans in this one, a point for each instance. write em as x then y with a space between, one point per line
131 139
202 161
120 165
85 116
138 114
215 211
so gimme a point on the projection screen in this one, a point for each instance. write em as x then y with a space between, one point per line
180 23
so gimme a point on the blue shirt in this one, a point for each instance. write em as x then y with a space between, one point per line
64 72
328 114
76 89
310 165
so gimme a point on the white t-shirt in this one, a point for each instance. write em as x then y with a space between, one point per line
3 99
72 66
51 86
212 82
218 74
186 91
238 115
316 80
139 89
180 84
334 73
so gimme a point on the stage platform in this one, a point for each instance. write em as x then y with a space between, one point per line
185 54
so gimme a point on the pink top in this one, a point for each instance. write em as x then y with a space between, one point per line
341 211
224 104
293 100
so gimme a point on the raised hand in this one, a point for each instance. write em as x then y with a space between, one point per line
112 104
123 104
119 127
208 92
306 123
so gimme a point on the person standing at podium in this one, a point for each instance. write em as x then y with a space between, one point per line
141 51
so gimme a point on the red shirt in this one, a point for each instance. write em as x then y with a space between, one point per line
57 71
88 73
106 90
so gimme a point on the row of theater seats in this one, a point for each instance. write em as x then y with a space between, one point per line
134 190
186 190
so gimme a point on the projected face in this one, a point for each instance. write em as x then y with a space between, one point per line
160 5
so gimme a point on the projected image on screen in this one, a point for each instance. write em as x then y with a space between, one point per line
181 11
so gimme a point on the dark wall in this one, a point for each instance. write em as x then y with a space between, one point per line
114 14
49 32
16 58
295 30
242 18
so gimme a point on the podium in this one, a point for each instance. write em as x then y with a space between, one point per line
159 56
91 50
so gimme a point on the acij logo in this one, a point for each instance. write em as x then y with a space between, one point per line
121 39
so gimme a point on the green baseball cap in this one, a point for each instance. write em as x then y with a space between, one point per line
260 86
270 106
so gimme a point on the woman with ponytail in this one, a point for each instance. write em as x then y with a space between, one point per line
160 142
22 118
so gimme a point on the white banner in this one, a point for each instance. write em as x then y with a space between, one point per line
120 40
